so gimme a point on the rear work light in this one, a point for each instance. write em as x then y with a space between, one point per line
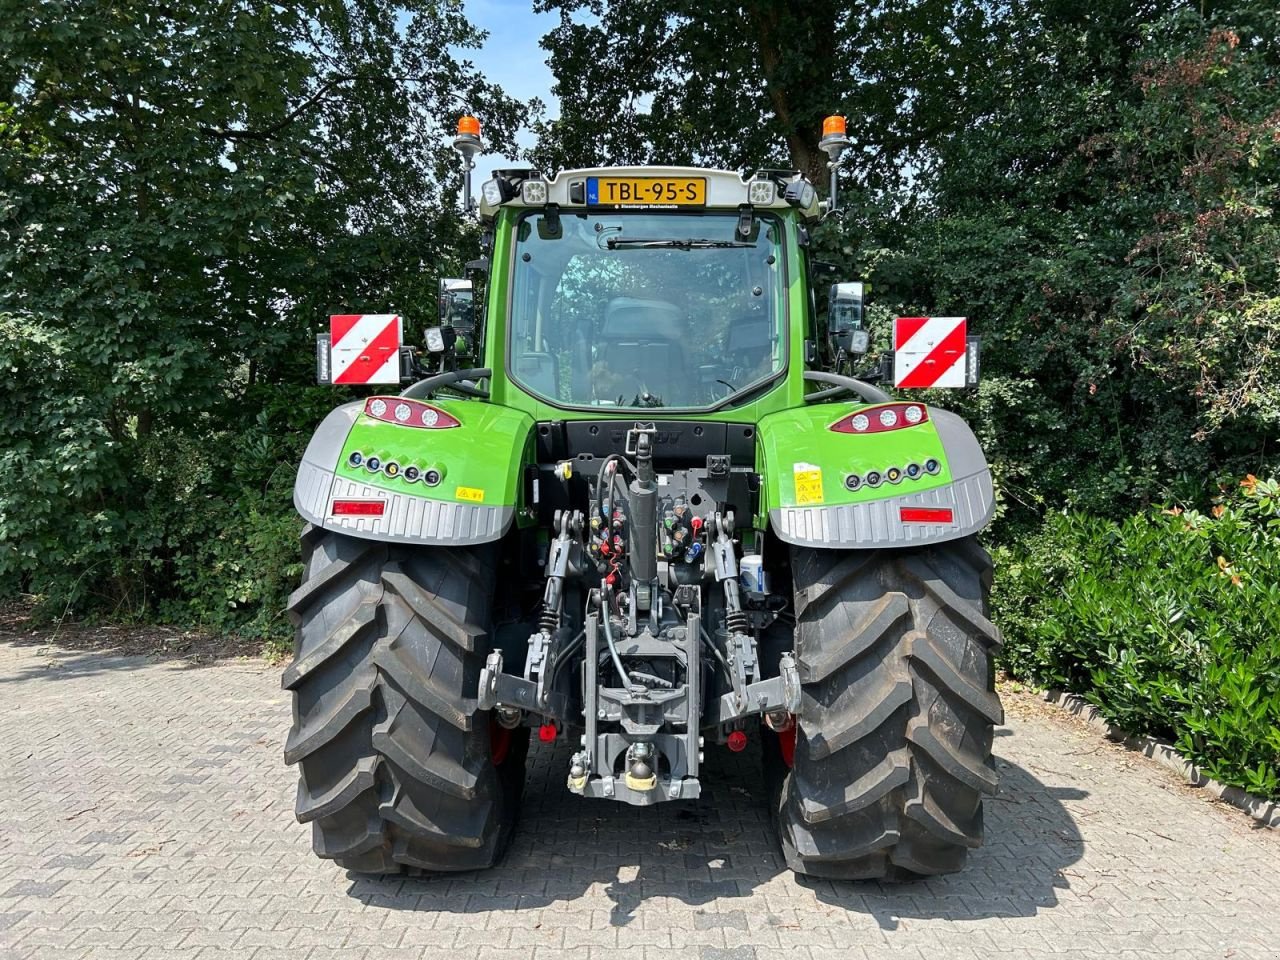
886 416
409 413
925 515
359 508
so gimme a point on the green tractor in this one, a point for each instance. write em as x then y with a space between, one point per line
635 497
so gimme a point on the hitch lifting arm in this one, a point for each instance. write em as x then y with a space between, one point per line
750 695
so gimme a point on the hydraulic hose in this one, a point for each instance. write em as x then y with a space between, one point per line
608 639
600 480
706 638
570 649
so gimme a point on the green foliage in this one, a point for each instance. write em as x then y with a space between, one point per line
1094 188
747 84
188 191
1107 222
1167 621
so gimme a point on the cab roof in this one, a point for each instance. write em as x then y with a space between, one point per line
649 188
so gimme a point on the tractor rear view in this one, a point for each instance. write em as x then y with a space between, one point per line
635 495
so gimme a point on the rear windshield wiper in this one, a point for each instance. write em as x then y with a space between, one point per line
613 243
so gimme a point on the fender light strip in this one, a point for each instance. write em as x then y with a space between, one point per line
885 416
358 508
409 413
925 515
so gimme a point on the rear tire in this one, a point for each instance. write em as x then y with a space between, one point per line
398 770
892 750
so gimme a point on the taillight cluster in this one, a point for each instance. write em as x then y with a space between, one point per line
888 416
409 413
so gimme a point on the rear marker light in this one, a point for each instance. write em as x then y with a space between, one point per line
547 732
359 508
925 515
737 741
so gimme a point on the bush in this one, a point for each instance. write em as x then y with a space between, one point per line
189 524
1168 622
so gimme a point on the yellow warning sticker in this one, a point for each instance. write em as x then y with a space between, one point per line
469 493
808 479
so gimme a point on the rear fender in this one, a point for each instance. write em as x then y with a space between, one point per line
806 468
480 464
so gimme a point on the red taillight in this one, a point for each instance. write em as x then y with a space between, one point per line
737 741
359 508
886 416
925 515
409 413
547 732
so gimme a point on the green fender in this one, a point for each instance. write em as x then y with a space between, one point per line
479 462
806 467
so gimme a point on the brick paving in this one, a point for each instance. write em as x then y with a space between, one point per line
145 813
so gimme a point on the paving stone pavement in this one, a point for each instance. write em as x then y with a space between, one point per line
145 812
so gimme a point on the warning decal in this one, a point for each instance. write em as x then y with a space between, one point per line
808 478
929 351
365 347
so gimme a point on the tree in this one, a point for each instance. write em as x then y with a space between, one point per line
1107 219
745 85
1092 185
188 190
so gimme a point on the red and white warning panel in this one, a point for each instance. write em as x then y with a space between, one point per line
929 351
365 347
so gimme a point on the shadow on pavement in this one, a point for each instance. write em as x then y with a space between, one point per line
75 649
722 847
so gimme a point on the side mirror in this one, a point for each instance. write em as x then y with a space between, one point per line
844 319
457 305
457 318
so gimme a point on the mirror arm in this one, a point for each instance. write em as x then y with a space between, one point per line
454 379
841 385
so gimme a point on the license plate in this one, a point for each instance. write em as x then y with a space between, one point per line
646 191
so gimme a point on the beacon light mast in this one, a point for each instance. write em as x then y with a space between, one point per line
467 142
834 143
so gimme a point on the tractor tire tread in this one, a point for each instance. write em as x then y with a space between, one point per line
893 749
395 773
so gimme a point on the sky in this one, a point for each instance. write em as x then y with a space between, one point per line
512 58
